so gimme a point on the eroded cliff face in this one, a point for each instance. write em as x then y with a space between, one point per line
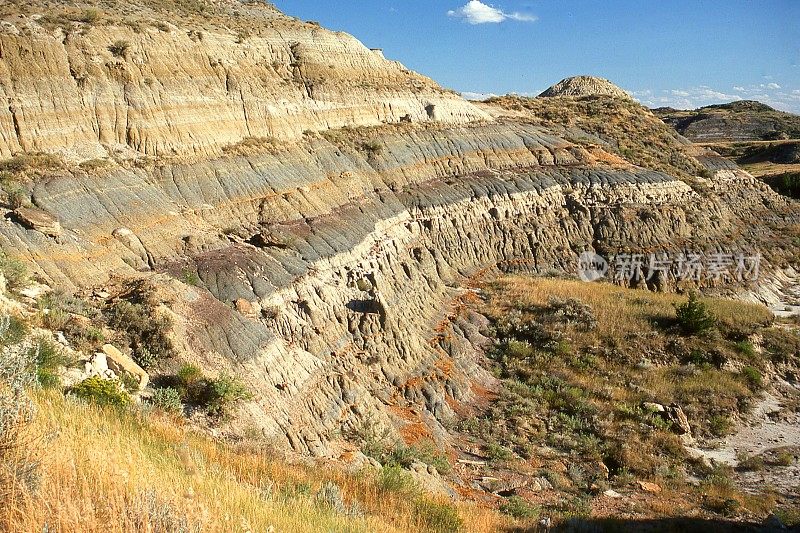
329 264
186 92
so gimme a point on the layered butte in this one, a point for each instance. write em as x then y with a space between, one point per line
332 205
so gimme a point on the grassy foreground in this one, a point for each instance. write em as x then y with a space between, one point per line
100 469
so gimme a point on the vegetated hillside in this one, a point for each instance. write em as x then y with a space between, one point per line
617 125
745 120
219 225
606 390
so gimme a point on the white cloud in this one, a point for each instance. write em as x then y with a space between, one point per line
477 97
476 12
772 94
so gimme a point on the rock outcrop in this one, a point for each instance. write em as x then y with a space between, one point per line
328 262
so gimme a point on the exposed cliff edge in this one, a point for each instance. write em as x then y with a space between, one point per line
338 200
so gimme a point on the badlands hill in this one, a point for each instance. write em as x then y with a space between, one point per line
585 86
217 189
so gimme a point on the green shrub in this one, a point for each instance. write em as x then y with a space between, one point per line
519 508
496 452
372 147
84 337
119 48
789 516
720 425
439 517
393 478
693 316
89 16
750 463
143 357
190 277
146 331
102 392
746 348
424 452
225 391
192 384
168 400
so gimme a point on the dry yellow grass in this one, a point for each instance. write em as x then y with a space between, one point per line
621 311
108 471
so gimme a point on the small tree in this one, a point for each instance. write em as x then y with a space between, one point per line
693 316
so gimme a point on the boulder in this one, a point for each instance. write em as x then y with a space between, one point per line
119 363
680 423
652 488
38 220
245 308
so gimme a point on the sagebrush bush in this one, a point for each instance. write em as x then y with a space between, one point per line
12 330
119 48
18 464
694 316
102 392
519 508
394 478
225 391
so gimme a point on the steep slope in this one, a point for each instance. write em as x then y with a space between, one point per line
318 261
737 121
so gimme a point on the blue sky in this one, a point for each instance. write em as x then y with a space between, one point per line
683 53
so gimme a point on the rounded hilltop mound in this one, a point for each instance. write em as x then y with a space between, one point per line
585 86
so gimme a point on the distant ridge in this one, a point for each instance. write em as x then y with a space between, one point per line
743 120
585 86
